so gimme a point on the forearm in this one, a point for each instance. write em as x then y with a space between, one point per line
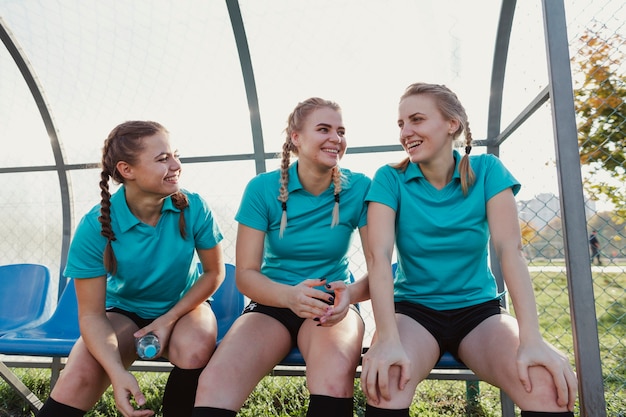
381 291
519 286
205 286
359 290
258 287
101 341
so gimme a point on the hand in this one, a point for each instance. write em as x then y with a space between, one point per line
125 388
546 355
377 363
340 307
306 301
162 328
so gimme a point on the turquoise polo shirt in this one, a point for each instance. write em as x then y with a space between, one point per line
442 236
309 248
155 265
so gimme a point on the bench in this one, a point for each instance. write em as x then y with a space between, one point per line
55 337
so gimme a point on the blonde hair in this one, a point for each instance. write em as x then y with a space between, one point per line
451 108
295 123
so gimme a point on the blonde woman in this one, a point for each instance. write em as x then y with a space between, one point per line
295 229
440 210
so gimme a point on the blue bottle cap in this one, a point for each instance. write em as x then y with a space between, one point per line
150 351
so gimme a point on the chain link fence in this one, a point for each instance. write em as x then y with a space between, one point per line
88 104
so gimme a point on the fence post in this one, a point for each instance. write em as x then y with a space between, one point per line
579 278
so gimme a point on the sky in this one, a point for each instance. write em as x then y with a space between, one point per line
101 63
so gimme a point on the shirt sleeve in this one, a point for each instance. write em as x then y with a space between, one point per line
498 177
384 187
85 257
207 233
253 210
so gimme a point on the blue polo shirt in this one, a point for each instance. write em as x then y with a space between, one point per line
309 248
155 265
442 236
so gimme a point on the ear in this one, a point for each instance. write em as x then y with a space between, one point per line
295 139
125 170
454 126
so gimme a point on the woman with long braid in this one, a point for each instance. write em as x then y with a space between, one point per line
440 211
134 263
295 229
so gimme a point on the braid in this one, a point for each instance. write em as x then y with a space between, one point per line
284 181
337 183
124 143
109 260
295 123
181 202
465 170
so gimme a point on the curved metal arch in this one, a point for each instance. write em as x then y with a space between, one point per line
500 55
23 64
250 85
498 70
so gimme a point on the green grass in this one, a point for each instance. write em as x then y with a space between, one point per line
287 396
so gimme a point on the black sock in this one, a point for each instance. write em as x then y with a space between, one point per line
371 411
180 392
323 405
547 414
212 412
52 408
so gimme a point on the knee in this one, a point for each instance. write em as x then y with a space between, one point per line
77 379
192 351
334 378
543 394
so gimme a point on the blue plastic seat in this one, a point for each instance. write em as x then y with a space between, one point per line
23 294
228 302
54 337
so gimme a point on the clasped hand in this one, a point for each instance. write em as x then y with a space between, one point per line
324 307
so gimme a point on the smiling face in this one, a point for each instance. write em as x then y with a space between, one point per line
156 169
424 132
321 141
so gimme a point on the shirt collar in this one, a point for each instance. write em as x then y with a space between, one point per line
295 184
126 220
413 171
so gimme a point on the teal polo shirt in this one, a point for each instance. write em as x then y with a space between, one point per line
442 236
309 248
155 265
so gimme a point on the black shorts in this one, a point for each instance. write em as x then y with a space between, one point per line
285 316
449 327
136 318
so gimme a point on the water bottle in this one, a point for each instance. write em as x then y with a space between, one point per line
148 346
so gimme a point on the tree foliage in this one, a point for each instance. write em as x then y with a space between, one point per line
600 75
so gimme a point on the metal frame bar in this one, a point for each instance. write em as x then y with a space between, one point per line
500 55
248 78
578 268
23 64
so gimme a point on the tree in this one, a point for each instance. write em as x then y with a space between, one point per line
600 75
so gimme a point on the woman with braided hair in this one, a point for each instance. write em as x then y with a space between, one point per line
134 261
440 210
294 233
